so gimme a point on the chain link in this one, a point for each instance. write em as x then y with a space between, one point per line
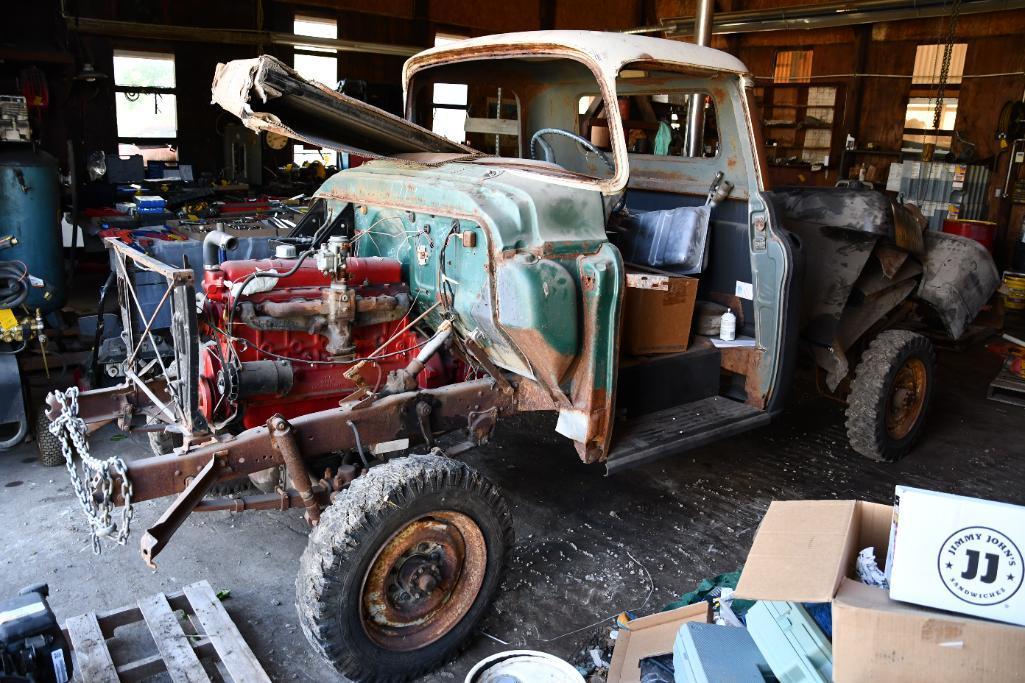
94 486
948 49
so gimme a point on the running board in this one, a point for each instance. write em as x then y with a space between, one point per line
678 429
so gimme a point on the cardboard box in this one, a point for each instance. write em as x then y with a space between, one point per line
657 312
957 553
650 636
804 551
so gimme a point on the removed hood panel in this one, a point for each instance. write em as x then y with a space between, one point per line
267 95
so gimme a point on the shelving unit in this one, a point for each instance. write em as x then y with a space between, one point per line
790 105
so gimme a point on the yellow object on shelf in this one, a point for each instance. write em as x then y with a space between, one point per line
1014 291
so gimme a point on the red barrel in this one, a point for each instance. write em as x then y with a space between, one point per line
983 232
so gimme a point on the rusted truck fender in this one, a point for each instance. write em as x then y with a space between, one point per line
958 280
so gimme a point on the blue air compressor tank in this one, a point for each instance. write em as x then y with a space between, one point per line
30 211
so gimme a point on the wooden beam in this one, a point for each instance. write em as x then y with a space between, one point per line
215 36
855 97
546 15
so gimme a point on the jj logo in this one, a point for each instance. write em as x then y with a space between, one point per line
980 565
992 563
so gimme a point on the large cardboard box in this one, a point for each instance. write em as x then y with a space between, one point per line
657 312
957 553
651 636
805 551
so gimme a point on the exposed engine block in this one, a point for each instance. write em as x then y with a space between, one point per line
293 345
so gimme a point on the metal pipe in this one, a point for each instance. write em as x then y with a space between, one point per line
212 245
696 111
282 438
405 379
828 15
1010 168
431 347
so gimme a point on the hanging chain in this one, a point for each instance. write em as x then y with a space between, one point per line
94 487
948 49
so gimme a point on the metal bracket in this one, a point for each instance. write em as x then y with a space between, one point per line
423 419
157 536
481 356
480 424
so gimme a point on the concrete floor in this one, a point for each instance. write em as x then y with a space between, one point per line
588 546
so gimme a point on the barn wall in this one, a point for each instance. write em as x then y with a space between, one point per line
87 112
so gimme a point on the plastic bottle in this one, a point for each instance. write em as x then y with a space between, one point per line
728 326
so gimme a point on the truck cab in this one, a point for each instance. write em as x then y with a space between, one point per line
578 163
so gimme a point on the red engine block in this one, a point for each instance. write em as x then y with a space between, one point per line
318 380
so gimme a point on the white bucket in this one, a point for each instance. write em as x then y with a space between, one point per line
523 666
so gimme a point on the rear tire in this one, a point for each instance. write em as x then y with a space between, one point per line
403 567
48 446
890 395
162 443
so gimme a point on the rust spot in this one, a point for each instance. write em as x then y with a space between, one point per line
423 581
745 361
941 630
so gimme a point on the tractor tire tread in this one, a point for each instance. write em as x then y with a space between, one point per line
866 404
338 540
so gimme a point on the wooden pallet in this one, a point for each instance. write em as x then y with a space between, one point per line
205 633
1007 388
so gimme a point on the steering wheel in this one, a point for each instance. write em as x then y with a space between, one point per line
549 153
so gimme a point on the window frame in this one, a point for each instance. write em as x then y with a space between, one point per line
791 78
439 40
680 124
324 156
927 90
171 142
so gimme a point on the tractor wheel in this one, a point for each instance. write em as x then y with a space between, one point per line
47 445
403 567
890 395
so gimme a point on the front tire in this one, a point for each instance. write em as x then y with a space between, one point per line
890 395
403 567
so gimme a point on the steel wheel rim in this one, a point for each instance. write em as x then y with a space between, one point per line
423 581
907 398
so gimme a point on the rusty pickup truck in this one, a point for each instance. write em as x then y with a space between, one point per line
475 266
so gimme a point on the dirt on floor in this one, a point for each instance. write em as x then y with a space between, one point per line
587 546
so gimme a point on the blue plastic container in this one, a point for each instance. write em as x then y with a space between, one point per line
30 211
150 287
791 641
710 653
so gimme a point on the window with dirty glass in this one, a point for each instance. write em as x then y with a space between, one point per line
792 66
449 101
515 107
799 122
928 120
654 123
145 104
319 64
655 108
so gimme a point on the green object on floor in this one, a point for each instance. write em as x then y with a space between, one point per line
707 587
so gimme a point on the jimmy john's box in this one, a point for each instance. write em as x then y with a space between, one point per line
958 554
806 551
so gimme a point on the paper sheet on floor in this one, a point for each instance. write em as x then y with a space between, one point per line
739 342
